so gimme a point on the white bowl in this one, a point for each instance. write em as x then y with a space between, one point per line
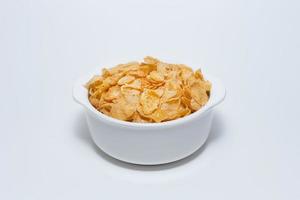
149 143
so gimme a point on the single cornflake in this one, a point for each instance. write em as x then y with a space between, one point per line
149 101
125 79
112 93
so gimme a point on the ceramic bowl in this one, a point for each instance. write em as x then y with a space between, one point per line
149 143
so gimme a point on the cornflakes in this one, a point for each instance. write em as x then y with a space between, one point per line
151 91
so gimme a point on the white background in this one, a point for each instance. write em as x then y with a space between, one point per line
253 46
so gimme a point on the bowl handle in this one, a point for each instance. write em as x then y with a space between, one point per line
80 93
219 92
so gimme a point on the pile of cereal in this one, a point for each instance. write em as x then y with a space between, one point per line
150 91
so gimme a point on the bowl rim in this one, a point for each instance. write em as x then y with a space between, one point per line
80 95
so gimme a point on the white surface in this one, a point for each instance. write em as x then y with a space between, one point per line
253 46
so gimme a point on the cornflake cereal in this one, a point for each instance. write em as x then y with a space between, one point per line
148 92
